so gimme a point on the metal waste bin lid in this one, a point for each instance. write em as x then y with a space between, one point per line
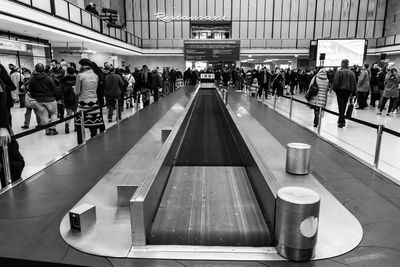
299 146
298 195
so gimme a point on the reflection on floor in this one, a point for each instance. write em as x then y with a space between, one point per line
357 139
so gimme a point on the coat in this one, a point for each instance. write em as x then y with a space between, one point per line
86 86
391 85
344 80
363 81
322 82
42 87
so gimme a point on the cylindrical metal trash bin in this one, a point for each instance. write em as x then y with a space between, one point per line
296 222
298 158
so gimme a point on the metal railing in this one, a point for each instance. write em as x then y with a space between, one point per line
4 149
67 11
380 128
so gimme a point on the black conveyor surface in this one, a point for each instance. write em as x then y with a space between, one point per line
208 141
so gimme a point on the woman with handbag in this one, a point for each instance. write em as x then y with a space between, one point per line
391 91
319 100
30 103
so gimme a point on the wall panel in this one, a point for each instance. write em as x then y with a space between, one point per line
129 9
277 30
235 29
293 30
284 30
303 9
243 30
351 30
202 7
137 17
362 10
219 10
381 9
194 7
311 9
328 9
252 10
269 9
360 29
337 5
153 22
379 29
145 19
169 26
343 29
294 10
335 29
277 10
211 7
161 24
260 30
251 30
345 13
320 10
227 8
318 30
244 9
268 30
286 9
235 10
310 30
177 10
301 34
353 9
326 29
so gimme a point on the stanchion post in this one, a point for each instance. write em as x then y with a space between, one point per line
274 101
378 145
226 97
137 100
117 110
83 126
263 95
6 164
319 119
291 107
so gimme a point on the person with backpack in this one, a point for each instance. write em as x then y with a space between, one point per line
320 80
70 100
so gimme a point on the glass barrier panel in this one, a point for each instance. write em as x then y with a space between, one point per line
75 14
42 4
123 36
28 2
96 22
61 9
118 33
112 32
106 30
86 19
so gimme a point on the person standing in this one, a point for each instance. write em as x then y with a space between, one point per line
277 83
344 85
156 83
264 78
114 84
145 85
28 112
321 78
70 100
374 84
43 89
56 72
86 89
391 91
17 77
363 87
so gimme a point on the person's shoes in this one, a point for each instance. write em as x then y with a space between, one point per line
315 125
25 127
67 129
131 105
341 125
388 114
53 132
379 113
48 132
109 120
127 106
37 126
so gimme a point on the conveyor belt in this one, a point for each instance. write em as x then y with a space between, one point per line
208 141
208 199
212 206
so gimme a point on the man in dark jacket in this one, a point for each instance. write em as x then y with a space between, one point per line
56 72
156 83
264 79
136 88
43 89
344 84
114 86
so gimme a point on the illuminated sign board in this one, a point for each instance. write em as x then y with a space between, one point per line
11 45
207 76
212 50
163 17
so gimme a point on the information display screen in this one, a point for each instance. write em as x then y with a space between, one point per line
212 50
336 50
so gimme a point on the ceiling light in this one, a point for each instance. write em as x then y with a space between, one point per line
249 55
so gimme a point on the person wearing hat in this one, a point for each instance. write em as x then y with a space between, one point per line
43 89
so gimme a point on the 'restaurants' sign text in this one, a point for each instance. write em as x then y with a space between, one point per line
161 16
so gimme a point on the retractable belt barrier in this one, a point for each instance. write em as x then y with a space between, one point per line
380 128
4 149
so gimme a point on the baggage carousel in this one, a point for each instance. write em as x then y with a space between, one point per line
32 211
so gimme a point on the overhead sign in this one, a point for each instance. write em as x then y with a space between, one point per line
212 50
12 45
163 17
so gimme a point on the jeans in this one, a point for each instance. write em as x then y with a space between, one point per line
342 99
264 87
28 113
47 110
392 104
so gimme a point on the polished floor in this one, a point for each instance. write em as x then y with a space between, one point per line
32 229
357 139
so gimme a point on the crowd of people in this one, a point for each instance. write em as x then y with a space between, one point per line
61 89
353 85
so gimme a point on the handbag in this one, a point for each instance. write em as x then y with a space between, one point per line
350 108
30 102
312 91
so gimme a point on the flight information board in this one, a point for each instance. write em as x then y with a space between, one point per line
212 50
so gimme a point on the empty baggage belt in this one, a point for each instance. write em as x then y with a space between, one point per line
208 199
